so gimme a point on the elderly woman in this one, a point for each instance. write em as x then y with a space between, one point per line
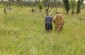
58 21
48 22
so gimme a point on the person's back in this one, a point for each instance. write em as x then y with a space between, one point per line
59 22
48 23
59 18
48 19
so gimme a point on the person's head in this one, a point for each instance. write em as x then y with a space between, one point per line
49 14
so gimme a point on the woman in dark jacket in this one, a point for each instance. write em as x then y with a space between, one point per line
48 23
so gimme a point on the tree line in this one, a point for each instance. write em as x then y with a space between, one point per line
72 5
67 4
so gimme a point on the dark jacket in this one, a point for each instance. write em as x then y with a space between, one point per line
48 23
48 19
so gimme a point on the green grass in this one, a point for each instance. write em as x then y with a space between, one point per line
21 33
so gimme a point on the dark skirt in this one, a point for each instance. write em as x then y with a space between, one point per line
48 26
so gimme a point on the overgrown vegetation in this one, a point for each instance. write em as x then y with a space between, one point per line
21 33
48 3
67 5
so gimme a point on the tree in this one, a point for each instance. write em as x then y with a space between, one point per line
40 6
47 4
67 6
18 1
73 5
79 5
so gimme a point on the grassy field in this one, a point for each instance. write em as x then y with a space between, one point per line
21 33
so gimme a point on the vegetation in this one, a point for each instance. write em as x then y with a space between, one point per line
40 6
21 33
48 4
73 5
67 6
79 5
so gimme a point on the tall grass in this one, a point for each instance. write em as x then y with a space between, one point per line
21 33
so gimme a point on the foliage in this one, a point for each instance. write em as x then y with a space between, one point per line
73 6
20 35
67 6
40 5
79 5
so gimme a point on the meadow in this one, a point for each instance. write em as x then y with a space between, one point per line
21 33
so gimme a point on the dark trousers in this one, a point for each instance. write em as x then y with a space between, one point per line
48 27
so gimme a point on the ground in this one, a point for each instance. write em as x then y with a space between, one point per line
21 33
